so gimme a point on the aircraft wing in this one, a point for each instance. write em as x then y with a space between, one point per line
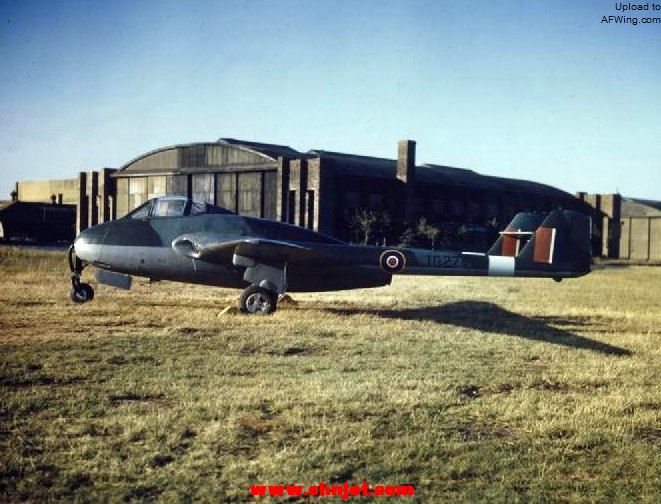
217 249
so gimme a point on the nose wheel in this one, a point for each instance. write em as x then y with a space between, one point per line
80 292
256 300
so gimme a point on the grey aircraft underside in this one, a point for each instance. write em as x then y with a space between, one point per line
186 241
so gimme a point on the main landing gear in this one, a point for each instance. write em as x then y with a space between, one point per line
267 282
80 292
258 300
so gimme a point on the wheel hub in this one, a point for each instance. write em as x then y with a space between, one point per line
257 303
80 294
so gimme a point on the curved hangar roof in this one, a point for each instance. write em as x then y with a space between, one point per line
207 156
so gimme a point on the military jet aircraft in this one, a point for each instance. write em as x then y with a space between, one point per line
172 238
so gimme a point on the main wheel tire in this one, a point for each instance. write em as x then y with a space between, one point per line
82 293
257 300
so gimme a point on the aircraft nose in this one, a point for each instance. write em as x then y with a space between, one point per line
88 243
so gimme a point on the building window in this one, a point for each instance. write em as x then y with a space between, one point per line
226 190
250 193
156 187
203 188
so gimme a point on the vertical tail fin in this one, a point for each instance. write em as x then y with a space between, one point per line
561 243
516 235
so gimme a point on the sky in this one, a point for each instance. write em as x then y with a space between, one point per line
539 90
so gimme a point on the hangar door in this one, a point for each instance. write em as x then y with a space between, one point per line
250 193
203 187
226 191
247 193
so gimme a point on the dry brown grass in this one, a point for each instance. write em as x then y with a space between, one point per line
470 389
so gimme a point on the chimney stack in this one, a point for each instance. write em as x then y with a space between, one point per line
406 161
406 175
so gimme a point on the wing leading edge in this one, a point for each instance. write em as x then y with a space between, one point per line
217 249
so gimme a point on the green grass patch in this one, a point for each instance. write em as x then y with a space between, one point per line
470 389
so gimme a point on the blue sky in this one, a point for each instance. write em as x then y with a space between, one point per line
525 89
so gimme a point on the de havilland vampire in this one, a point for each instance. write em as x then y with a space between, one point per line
177 239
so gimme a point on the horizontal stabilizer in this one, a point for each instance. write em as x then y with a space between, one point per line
516 233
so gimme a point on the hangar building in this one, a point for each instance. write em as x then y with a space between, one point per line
317 189
320 189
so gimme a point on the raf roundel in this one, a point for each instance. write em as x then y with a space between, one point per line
392 261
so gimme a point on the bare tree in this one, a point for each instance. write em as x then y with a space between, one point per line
370 222
364 221
383 225
428 230
406 239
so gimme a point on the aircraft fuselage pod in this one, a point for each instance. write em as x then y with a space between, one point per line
185 241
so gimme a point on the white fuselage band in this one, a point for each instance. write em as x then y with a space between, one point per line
501 266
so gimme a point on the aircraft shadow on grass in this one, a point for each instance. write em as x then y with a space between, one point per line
489 317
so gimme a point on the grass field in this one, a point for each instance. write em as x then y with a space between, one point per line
470 389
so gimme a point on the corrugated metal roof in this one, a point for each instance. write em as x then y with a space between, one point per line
650 203
462 177
366 166
362 166
636 207
447 175
272 150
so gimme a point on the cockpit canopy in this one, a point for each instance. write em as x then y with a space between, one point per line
174 206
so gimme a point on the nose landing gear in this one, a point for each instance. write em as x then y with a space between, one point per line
80 292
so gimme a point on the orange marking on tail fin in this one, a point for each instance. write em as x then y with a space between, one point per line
510 244
544 238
